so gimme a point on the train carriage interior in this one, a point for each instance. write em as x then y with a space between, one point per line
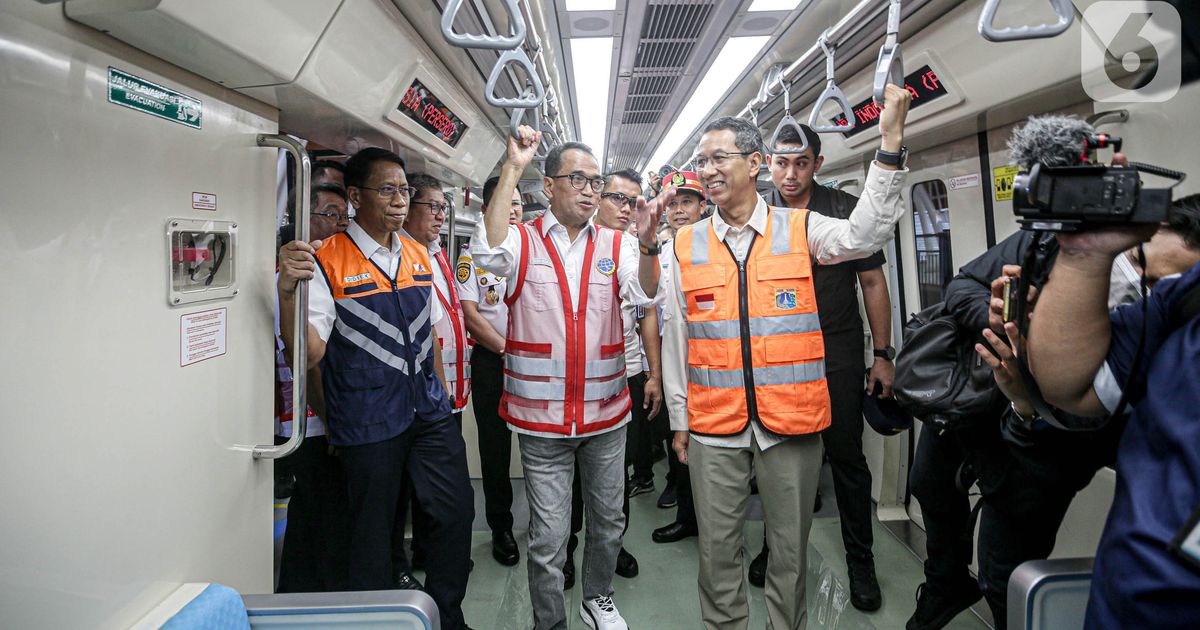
152 150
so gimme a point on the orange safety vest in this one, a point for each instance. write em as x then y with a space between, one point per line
754 339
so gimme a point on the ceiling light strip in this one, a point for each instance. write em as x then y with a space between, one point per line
591 71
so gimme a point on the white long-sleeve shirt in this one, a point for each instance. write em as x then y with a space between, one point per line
830 241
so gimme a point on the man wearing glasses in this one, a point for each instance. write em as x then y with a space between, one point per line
370 328
564 387
744 358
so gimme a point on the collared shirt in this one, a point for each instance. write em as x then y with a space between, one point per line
321 310
485 289
830 241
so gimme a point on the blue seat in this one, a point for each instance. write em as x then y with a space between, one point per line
1049 594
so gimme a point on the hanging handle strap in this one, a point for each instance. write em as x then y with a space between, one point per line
517 117
784 123
832 93
1062 8
528 100
515 21
889 68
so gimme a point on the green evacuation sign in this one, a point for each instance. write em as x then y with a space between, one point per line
136 93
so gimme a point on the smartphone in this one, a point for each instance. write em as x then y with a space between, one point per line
1011 287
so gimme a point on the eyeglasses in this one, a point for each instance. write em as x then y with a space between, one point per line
387 191
718 160
434 207
332 215
579 180
620 199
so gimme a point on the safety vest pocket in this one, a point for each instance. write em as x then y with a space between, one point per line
708 352
542 296
782 267
365 378
600 293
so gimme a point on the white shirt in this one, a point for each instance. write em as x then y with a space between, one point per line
830 241
634 353
321 311
473 281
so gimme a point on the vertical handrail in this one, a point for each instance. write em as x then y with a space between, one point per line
302 192
1062 9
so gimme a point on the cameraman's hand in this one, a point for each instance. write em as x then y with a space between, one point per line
1010 273
1004 366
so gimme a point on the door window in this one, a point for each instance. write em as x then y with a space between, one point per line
931 225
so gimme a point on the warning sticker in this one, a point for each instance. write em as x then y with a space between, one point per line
204 201
964 181
1002 179
201 336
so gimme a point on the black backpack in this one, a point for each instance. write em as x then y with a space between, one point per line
939 377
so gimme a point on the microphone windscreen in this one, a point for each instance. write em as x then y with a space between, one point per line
1051 141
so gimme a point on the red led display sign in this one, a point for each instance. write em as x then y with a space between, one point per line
924 86
434 116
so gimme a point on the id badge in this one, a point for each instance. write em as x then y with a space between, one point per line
1187 543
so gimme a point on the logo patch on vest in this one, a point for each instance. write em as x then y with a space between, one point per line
463 272
606 266
706 302
420 267
785 299
361 276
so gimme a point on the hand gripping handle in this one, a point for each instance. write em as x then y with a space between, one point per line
525 102
515 21
832 93
517 118
1062 8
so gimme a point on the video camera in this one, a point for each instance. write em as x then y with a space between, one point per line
1069 198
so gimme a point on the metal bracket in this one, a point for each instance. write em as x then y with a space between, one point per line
832 93
889 68
787 121
1105 118
515 21
1062 8
774 73
525 102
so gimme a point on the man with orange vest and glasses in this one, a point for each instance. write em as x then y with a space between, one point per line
426 214
565 393
743 357
370 323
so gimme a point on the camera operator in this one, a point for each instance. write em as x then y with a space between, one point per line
1085 360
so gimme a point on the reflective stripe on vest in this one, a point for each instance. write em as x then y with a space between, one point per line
452 331
780 330
565 366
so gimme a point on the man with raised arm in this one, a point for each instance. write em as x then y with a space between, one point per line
744 357
564 387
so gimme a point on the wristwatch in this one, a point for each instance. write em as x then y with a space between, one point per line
1025 420
648 251
887 352
892 159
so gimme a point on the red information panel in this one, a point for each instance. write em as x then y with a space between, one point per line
924 86
434 116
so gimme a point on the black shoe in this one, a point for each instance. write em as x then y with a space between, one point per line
864 588
937 606
674 532
627 566
569 574
668 498
758 568
640 486
504 548
406 582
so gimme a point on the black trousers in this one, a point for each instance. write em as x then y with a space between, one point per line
844 449
315 542
1025 492
433 454
495 439
639 440
420 520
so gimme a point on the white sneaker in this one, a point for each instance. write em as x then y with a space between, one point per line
601 613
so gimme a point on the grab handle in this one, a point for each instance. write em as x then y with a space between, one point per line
300 331
515 21
784 123
832 93
889 68
1062 8
526 101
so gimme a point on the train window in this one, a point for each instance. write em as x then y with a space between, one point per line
931 225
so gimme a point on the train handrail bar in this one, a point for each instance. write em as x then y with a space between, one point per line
1062 8
831 93
526 100
302 194
890 65
516 24
787 121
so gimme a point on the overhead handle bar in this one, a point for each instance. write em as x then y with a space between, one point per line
1062 8
889 68
300 327
832 93
516 23
773 74
526 101
786 122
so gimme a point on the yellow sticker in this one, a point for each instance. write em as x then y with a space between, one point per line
1002 179
463 272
